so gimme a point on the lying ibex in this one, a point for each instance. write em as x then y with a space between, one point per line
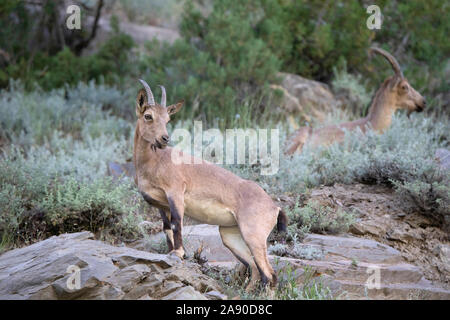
395 93
208 193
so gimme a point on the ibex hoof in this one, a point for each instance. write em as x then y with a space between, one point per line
179 253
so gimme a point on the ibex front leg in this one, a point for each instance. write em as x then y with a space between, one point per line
167 227
176 205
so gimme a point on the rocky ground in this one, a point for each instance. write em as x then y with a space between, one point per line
406 250
382 217
48 270
344 264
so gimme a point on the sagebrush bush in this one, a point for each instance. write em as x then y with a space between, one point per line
62 186
32 118
430 194
100 206
53 172
318 218
298 251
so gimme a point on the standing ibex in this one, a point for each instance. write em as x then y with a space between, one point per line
395 93
208 193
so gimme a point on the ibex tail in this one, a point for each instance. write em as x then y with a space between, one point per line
282 221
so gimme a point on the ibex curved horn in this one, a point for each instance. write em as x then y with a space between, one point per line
391 59
163 96
151 100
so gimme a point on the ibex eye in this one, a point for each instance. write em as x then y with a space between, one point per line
148 117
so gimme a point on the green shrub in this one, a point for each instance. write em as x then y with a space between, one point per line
99 206
312 288
319 219
219 66
298 251
311 37
50 70
430 194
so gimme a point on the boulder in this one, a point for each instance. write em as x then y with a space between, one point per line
306 97
74 266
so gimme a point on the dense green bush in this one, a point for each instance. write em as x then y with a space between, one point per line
55 70
311 37
219 66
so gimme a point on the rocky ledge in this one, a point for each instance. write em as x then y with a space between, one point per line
74 266
351 267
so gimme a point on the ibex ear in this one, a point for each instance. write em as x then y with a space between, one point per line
141 102
396 80
174 108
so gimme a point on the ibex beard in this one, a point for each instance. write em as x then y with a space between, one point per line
244 212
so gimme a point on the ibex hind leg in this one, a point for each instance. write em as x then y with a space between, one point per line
232 239
256 240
